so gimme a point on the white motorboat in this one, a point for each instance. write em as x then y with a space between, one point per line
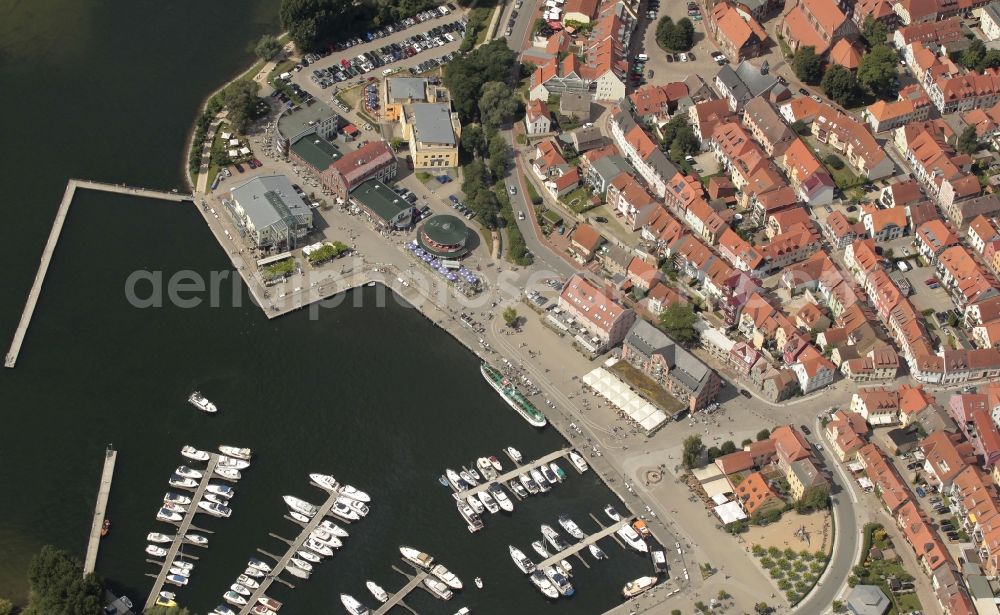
155 551
612 514
632 538
247 581
201 402
559 580
377 591
253 572
326 538
269 603
356 505
324 481
168 515
158 537
514 454
182 483
438 588
553 538
479 582
578 461
218 499
194 454
232 462
301 564
476 505
259 565
471 517
454 479
168 595
177 508
597 552
521 560
181 571
355 494
187 472
179 563
234 598
484 466
235 451
295 571
353 606
417 558
299 517
176 498
638 586
333 528
216 510
176 579
558 471
468 478
529 484
549 475
196 539
488 501
300 506
344 512
447 576
223 610
260 609
221 490
571 527
540 480
517 488
495 463
474 473
565 567
540 549
502 500
319 547
544 585
228 473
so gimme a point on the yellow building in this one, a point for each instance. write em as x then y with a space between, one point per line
426 120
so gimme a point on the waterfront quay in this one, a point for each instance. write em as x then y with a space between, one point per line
97 525
517 471
396 599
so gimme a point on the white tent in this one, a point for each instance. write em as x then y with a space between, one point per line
234 142
618 393
729 512
245 151
226 136
234 154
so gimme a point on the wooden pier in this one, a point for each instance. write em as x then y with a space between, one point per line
396 599
50 247
583 544
294 545
506 476
103 492
182 529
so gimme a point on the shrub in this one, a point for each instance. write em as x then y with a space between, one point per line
834 161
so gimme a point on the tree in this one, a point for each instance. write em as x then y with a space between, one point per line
968 142
713 453
840 85
807 65
58 588
486 206
267 48
974 54
240 97
763 434
665 31
877 72
990 60
815 498
746 442
6 607
681 36
500 155
693 450
473 139
875 32
800 127
465 76
678 321
761 608
728 447
497 104
510 316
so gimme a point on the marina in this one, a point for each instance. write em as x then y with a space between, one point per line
97 527
581 545
517 471
396 599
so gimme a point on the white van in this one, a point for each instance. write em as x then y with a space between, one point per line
642 57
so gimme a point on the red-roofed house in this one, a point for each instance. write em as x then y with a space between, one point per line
755 495
816 23
537 118
586 240
813 370
372 161
945 456
739 38
596 310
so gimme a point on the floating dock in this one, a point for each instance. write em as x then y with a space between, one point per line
50 247
182 529
103 492
396 599
583 544
506 476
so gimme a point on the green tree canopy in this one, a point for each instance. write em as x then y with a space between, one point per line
510 316
728 447
763 434
681 36
500 155
974 54
840 85
807 65
968 141
497 104
877 72
815 498
875 32
240 97
693 449
58 588
665 31
465 76
473 139
267 47
678 321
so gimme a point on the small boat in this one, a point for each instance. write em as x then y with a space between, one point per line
544 585
326 538
438 588
168 595
514 454
476 504
343 511
355 494
638 586
521 560
221 490
529 484
517 488
300 506
468 478
177 508
454 479
559 472
105 528
548 474
356 505
234 598
181 571
161 601
187 472
597 552
168 515
571 528
353 606
470 516
417 558
319 547
565 567
474 473
443 480
495 463
502 500
222 610
155 551
324 481
301 564
253 572
486 468
269 603
295 571
259 565
239 589
194 454
214 509
553 537
540 549
158 537
196 539
176 579
333 528
540 480
559 580
377 591
201 402
246 581
479 582
299 517
218 499
463 611
578 461
447 577
610 511
235 451
632 538
179 563
488 501
176 498
182 483
228 473
260 609
232 462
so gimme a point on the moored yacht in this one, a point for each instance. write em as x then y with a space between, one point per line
232 462
315 545
253 572
540 549
324 481
356 505
571 527
438 588
222 490
632 538
218 499
543 484
176 579
476 504
179 563
553 537
344 512
638 586
234 598
301 564
194 454
158 537
177 508
180 571
470 516
182 482
454 479
544 585
578 461
168 515
228 473
549 475
417 558
521 560
309 556
495 463
299 517
353 606
488 501
214 509
326 538
529 484
269 603
559 580
155 551
294 570
201 402
235 451
246 581
597 552
355 494
468 478
333 528
377 591
196 539
300 505
222 610
447 577
187 472
612 514
514 398
558 471
514 454
517 488
258 564
484 466
502 500
176 498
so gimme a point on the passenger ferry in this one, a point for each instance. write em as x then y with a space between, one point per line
512 396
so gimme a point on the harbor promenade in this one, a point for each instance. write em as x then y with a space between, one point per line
396 599
182 529
50 247
103 492
583 544
506 476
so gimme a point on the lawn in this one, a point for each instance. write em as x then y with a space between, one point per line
213 169
843 177
578 200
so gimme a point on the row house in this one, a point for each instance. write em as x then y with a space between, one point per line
901 193
628 197
739 85
976 504
661 230
738 37
704 116
817 24
946 454
767 126
878 405
653 104
967 280
884 115
795 244
971 412
555 78
987 335
606 320
807 174
704 221
739 253
933 238
558 176
934 161
885 224
639 149
848 434
840 231
813 370
922 538
880 364
862 259
981 231
980 313
950 94
764 205
889 485
961 213
929 33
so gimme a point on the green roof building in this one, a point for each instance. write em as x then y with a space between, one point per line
314 151
382 204
444 236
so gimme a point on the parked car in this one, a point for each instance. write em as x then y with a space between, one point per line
601 219
512 189
920 491
805 429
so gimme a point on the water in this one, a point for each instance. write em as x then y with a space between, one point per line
378 397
